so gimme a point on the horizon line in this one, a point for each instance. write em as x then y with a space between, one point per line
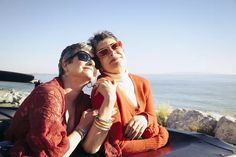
167 73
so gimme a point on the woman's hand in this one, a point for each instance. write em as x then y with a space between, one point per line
107 89
87 119
136 127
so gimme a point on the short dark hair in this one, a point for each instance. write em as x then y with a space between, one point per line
68 53
99 36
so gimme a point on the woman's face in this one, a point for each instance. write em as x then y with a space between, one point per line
111 56
81 68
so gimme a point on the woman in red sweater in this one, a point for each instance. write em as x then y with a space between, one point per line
55 117
135 128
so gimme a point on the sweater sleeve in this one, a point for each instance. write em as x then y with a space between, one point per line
47 135
149 111
154 136
136 146
97 99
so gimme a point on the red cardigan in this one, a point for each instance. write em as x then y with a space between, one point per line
153 137
39 126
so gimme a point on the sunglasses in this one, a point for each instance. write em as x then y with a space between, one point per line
83 56
106 51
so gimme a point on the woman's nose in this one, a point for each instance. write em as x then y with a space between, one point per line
91 62
111 51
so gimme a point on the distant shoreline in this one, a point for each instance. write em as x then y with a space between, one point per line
13 98
214 92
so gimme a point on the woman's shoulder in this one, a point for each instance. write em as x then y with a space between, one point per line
54 83
138 78
51 87
49 95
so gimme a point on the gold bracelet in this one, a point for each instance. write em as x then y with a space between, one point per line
104 121
103 125
81 132
107 123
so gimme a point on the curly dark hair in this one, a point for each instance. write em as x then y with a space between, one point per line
99 36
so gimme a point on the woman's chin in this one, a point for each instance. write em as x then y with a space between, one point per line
90 76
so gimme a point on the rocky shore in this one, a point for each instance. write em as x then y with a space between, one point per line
219 126
12 97
213 124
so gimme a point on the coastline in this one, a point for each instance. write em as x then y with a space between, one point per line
14 97
205 92
211 123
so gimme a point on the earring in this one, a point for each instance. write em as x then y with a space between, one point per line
101 70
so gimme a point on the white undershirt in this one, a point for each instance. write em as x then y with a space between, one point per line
126 85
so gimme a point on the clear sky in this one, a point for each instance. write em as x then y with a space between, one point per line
159 36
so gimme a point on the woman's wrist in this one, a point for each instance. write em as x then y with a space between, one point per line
103 124
105 113
81 132
110 100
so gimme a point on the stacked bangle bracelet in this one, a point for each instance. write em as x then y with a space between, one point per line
81 132
102 124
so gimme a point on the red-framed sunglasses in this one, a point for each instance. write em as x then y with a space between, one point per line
106 51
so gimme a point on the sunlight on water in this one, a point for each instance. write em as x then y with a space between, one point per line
215 93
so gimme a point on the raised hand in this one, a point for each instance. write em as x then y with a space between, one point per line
107 89
87 119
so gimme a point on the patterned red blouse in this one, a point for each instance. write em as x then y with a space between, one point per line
39 126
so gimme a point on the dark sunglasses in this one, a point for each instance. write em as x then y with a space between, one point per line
106 51
83 56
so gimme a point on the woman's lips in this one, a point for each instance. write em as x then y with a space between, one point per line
115 59
88 68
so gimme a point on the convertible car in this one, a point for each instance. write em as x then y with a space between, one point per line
181 143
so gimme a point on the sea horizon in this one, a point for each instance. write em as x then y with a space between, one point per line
200 91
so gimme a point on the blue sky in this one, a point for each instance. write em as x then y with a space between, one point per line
159 36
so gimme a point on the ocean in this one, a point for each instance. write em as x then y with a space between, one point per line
214 93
